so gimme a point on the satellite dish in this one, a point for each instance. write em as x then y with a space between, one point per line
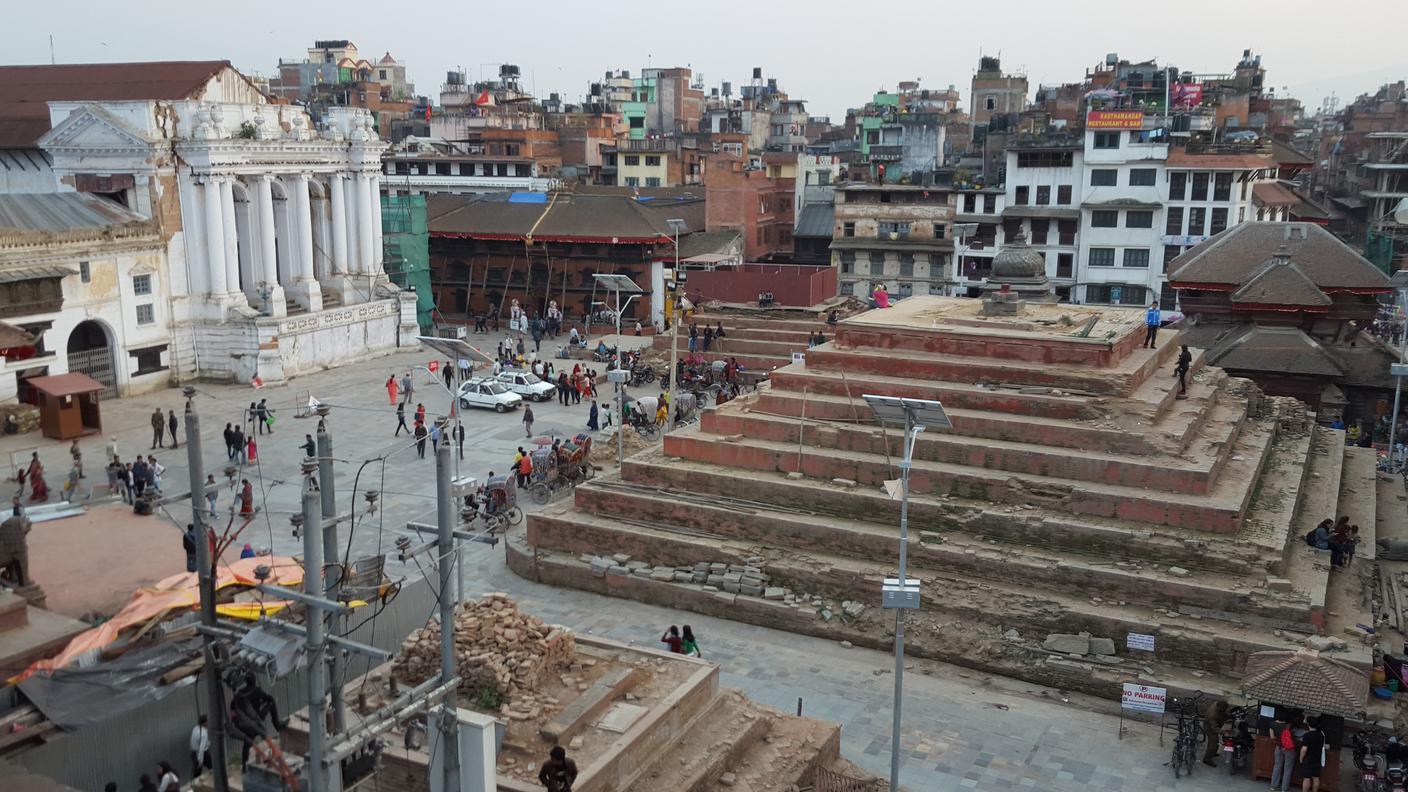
1400 214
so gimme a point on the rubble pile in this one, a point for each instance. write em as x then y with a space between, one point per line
497 648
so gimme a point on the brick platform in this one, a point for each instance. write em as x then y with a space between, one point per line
1075 492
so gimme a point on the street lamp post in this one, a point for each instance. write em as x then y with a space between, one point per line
672 295
901 593
618 284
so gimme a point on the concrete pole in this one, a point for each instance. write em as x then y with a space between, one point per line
333 588
677 315
1393 423
204 567
317 670
899 612
447 550
620 392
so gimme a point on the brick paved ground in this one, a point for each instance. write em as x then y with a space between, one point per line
962 730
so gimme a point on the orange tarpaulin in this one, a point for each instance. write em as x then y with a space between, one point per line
178 592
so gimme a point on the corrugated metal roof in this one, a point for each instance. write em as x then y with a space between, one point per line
61 212
25 91
817 220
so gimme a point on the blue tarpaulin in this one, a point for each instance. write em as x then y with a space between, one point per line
528 197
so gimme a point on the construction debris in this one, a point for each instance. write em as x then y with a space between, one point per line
500 652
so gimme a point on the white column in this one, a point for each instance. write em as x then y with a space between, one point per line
303 214
232 241
338 208
214 237
268 266
374 264
306 289
366 221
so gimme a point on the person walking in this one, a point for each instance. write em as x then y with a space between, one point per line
435 438
1285 757
139 476
71 484
211 493
593 416
401 419
558 772
251 450
525 471
1152 319
239 448
310 447
128 482
172 425
200 747
114 471
449 371
188 544
420 434
1185 360
266 417
167 781
708 337
1312 756
229 441
458 434
110 449
688 645
246 498
408 388
155 470
420 413
77 455
527 421
391 389
672 639
158 428
693 339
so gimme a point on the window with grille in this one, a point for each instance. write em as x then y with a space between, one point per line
1104 177
1138 219
1141 177
1107 140
1173 220
1177 186
1197 215
1043 196
1104 218
1222 187
1219 221
145 314
1200 187
1063 195
141 285
1136 257
1101 257
1022 195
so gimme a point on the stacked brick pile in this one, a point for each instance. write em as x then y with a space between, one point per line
497 648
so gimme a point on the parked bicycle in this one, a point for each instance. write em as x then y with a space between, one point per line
1189 733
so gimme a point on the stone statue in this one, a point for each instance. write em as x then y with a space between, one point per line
14 551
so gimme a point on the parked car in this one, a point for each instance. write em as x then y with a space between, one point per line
489 393
527 384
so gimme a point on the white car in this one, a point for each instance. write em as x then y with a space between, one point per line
489 393
527 384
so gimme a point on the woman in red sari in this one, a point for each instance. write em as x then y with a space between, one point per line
38 488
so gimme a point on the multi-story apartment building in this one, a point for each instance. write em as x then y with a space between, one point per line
1045 181
814 207
742 198
1210 189
1121 207
655 162
899 235
976 230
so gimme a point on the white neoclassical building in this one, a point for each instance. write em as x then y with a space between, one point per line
271 228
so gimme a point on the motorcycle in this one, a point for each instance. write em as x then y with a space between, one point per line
1237 740
640 375
1366 759
607 355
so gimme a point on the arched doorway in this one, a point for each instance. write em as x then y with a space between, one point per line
90 351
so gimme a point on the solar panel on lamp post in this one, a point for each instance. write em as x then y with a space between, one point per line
617 284
900 593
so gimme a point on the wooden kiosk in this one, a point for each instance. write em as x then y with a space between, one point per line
1286 686
68 405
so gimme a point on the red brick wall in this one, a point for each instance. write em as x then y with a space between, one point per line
792 285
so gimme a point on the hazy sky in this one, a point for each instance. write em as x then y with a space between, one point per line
832 54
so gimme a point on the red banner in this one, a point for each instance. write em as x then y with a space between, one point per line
1114 119
1185 94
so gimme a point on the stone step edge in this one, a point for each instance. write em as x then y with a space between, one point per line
1210 505
821 524
571 573
652 459
1183 594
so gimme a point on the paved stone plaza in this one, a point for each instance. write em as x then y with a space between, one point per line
962 730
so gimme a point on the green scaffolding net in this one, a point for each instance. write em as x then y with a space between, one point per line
406 250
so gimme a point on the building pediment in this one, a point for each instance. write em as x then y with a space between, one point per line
92 130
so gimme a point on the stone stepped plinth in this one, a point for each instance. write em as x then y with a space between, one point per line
1076 491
